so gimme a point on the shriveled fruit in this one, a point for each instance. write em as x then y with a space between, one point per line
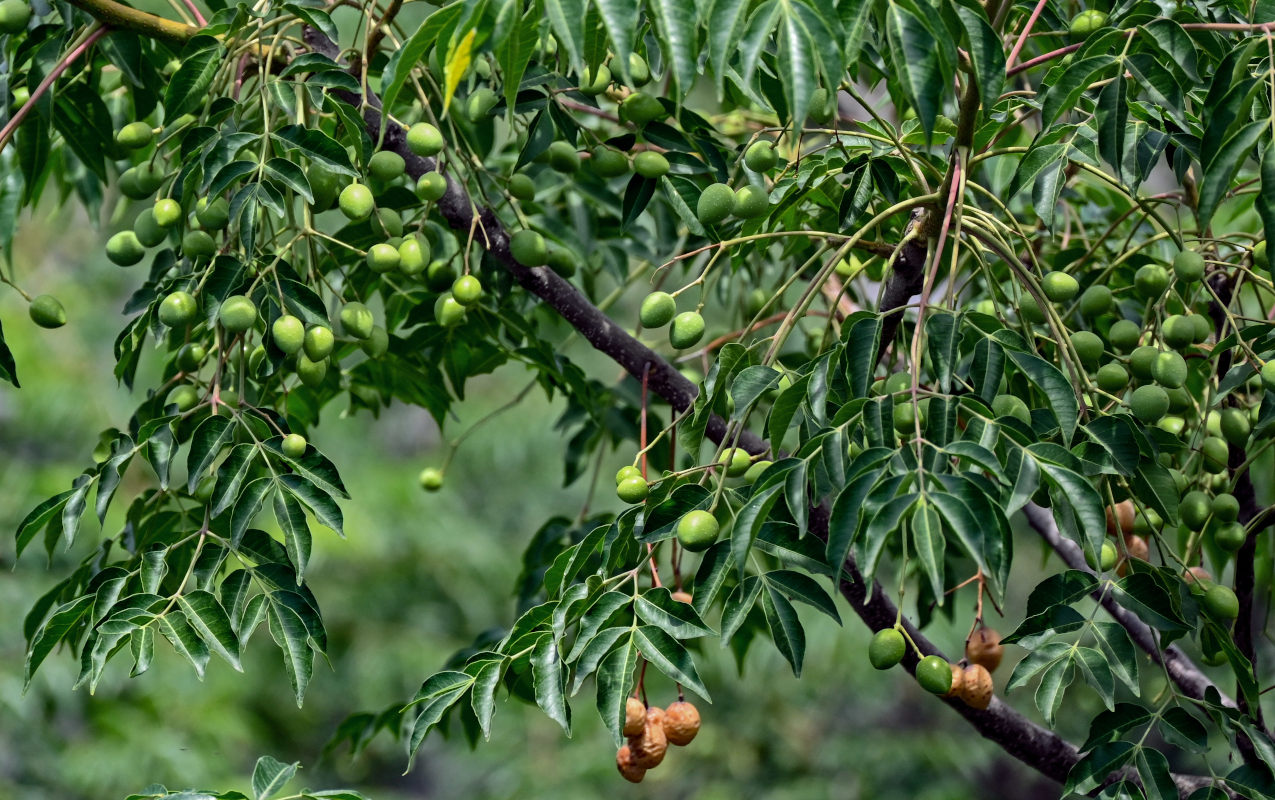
958 675
356 202
1150 281
1085 23
1230 537
563 157
984 647
1198 578
134 135
634 717
431 479
648 749
1188 266
658 309
386 165
650 164
751 202
47 311
735 461
934 674
1149 403
198 245
1221 602
697 530
607 162
681 723
687 329
318 342
716 203
288 333
1169 370
641 108
761 157
528 248
424 139
357 320
632 490
237 314
1137 547
293 445
887 648
1059 286
177 309
1225 507
467 290
431 186
124 249
630 771
1095 300
977 687
1008 405
1124 335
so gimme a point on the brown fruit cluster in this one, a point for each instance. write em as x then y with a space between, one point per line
984 648
1123 514
1136 547
651 731
972 684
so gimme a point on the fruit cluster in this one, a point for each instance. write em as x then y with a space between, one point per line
650 730
969 681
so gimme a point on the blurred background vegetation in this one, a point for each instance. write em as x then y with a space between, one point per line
419 577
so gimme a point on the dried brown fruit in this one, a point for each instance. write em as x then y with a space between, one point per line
984 647
682 597
1136 547
1198 574
634 717
977 687
648 749
1123 515
681 723
958 674
630 771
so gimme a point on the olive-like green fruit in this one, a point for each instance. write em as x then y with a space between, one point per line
1124 335
1141 360
325 185
1179 400
1150 281
887 648
382 257
822 105
22 94
1221 602
1059 286
934 674
1267 373
424 139
356 320
904 417
1088 347
735 461
751 202
1085 23
479 104
467 290
1174 425
318 342
562 261
124 249
184 397
595 82
632 490
1095 300
149 232
14 16
761 156
1203 328
1230 537
687 329
1235 426
140 182
1194 509
755 471
447 311
1216 454
650 164
134 135
1009 405
293 445
439 276
1112 378
310 372
413 256
212 215
1029 310
191 356
528 248
1178 331
1225 507
391 222
47 311
167 212
288 333
1188 266
431 187
1149 403
607 162
626 472
563 157
639 70
386 165
178 309
356 202
640 108
237 314
198 245
377 343
1107 558
716 203
658 309
1169 370
431 479
522 187
697 530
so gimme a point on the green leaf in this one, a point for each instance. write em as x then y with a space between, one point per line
738 603
1122 658
325 509
657 607
1058 390
8 369
1153 769
725 27
65 619
567 19
289 631
942 345
843 524
797 586
206 443
1220 171
987 54
750 384
246 508
549 679
39 517
291 176
317 146
515 52
179 633
1053 683
483 697
749 521
929 544
296 531
884 524
1065 93
231 475
212 623
916 55
669 656
188 88
437 694
785 627
1077 493
73 511
1097 672
410 54
615 682
270 776
603 609
1112 119
676 22
862 341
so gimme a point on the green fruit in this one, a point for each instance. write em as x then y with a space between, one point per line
640 109
755 471
431 479
1259 256
1112 378
658 309
563 157
1149 403
431 187
1142 360
318 342
148 178
904 418
522 187
897 382
310 372
447 311
1124 335
650 164
167 212
356 201
1230 537
1030 311
391 222
1174 425
382 257
198 245
626 472
761 156
467 290
149 232
439 276
528 248
293 445
1216 454
934 674
755 302
134 135
1085 23
687 329
1194 509
1226 508
356 320
1188 266
607 162
1094 301
716 203
562 261
1235 426
413 256
424 139
751 202
595 82
213 215
377 343
1178 331
288 333
324 185
184 397
1169 370
178 309
1059 286
1107 558
479 104
1008 405
237 314
46 311
386 165
1221 602
822 105
697 530
735 461
887 648
1150 281
632 490
190 356
1268 375
1088 347
124 249
639 71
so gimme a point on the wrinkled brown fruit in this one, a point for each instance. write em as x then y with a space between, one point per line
1137 547
624 763
1123 515
634 717
682 597
958 674
648 748
977 687
681 723
984 647
1199 574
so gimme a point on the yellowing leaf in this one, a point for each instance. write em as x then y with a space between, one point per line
459 57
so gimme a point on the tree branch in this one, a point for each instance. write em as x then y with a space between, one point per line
121 17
